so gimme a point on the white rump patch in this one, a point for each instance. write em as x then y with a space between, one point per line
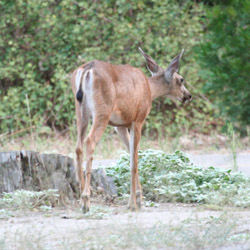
88 90
78 78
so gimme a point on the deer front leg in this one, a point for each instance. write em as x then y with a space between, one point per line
135 186
124 135
91 140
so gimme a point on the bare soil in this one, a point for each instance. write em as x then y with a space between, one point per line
166 226
68 228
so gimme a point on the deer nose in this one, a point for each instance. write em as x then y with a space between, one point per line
189 97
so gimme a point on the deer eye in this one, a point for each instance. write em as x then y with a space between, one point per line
182 80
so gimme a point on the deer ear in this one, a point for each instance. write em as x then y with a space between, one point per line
173 67
151 64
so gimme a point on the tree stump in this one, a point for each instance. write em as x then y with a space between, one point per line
33 171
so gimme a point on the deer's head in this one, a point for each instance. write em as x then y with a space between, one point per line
174 83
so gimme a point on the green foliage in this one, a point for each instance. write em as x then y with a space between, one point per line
224 55
172 177
22 199
42 41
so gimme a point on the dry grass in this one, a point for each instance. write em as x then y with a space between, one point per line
110 145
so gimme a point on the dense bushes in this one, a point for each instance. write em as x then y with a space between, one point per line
225 60
42 41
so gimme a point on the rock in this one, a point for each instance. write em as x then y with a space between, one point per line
102 183
33 171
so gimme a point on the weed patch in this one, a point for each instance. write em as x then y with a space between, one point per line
194 233
97 213
173 178
23 199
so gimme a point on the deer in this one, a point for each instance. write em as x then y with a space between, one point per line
120 96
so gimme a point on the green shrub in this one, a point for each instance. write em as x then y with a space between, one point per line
225 61
172 177
41 42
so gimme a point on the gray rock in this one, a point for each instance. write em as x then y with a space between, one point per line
101 183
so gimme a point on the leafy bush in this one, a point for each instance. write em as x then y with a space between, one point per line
42 41
225 61
172 177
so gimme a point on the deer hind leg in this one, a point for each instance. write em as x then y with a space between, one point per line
124 135
139 197
91 140
135 186
82 125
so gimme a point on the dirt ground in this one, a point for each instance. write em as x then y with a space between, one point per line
114 227
163 226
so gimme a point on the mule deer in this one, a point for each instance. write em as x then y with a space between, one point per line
120 96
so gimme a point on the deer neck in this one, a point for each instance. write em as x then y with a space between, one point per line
158 86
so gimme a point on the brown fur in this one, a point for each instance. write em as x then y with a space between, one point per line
122 97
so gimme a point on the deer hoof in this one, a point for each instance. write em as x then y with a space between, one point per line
85 209
139 198
132 205
85 203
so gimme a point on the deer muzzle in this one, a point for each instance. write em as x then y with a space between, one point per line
186 98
